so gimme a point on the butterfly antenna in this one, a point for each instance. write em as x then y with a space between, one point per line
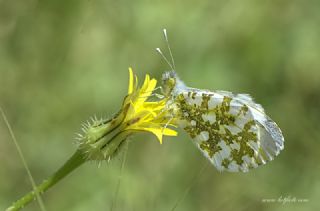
168 45
165 58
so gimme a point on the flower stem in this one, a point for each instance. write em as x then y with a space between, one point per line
75 161
100 142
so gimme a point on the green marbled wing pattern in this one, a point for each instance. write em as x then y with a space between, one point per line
230 129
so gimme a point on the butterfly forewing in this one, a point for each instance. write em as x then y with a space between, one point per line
231 130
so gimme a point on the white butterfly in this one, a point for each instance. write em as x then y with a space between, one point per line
231 130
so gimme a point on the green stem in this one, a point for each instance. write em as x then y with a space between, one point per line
75 161
101 143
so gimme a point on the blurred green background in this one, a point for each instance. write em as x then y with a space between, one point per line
63 61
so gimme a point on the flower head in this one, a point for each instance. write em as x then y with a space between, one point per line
143 115
102 138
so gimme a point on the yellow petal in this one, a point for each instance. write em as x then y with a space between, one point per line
169 132
145 83
151 86
131 78
148 86
157 132
155 106
136 83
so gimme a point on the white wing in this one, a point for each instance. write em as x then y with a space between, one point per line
231 130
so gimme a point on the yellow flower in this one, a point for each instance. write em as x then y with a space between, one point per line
103 138
143 115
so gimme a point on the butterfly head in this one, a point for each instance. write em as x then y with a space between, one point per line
171 83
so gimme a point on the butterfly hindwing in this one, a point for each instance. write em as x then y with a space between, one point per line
231 130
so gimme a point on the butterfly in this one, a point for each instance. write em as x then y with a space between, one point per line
231 130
